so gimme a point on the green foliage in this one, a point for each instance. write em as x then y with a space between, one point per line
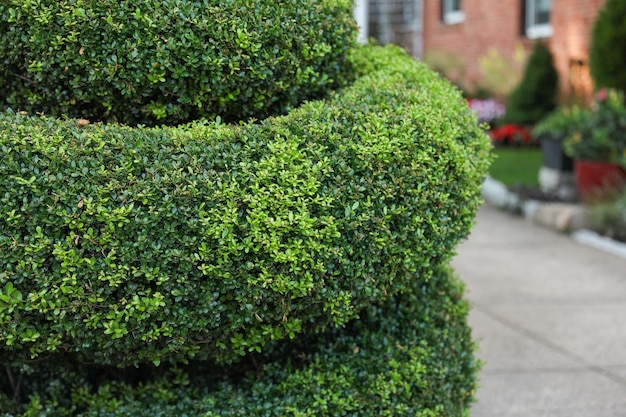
562 122
500 75
535 95
228 263
609 217
411 355
600 133
448 64
171 61
127 245
607 58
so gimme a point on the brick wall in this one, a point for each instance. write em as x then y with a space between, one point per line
498 24
573 21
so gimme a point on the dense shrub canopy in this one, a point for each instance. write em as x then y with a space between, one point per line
171 61
535 95
123 245
411 355
608 46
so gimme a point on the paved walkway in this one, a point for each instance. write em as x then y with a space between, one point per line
550 317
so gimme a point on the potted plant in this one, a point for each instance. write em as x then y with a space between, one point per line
598 146
556 175
552 130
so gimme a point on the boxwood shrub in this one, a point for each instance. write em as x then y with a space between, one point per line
171 61
411 355
127 245
215 243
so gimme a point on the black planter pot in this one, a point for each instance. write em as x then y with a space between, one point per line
553 155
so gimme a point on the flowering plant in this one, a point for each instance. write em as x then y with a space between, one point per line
600 133
487 110
511 133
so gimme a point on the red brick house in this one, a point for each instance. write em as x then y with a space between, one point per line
468 30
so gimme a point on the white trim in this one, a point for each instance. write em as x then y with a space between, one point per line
590 238
418 45
360 15
452 18
539 31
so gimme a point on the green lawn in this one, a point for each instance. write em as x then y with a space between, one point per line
515 166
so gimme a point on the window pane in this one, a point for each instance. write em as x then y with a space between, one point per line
542 11
408 11
450 6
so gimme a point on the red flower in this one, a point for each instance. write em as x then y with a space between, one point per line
511 133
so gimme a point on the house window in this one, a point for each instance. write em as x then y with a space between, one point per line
537 18
452 11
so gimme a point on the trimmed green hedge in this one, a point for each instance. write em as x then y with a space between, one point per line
123 246
171 61
607 55
204 248
409 356
535 96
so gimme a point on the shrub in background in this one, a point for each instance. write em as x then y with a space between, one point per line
448 64
551 132
609 217
607 58
151 245
562 122
499 74
171 61
535 95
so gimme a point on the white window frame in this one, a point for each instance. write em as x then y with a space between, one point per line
533 29
360 15
452 15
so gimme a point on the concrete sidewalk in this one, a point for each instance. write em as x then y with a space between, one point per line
550 317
